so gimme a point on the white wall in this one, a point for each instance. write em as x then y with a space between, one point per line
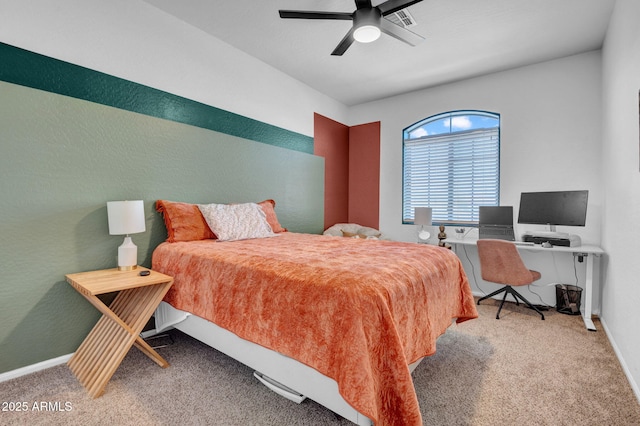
550 140
135 41
621 172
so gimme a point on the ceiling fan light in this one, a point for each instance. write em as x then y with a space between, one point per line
366 33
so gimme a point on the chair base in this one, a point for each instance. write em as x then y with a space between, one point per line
509 290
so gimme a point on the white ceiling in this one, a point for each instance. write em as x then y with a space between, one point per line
463 38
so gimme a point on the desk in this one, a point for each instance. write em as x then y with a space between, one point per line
592 253
103 350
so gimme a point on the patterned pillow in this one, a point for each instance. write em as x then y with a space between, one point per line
231 222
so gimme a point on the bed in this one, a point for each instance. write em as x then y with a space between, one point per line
339 320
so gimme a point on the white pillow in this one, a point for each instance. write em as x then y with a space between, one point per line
232 222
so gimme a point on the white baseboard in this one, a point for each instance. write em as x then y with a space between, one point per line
52 362
627 372
34 368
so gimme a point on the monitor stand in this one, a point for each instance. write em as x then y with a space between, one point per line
548 234
554 238
551 233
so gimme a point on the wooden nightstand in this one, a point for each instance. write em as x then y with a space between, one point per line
105 347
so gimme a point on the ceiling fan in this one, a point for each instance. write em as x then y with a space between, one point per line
367 22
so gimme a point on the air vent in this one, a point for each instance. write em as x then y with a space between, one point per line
402 18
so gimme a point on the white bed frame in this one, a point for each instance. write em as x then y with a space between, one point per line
282 374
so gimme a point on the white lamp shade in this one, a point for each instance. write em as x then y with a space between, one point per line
422 216
125 217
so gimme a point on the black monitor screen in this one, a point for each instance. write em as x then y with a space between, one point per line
567 208
496 215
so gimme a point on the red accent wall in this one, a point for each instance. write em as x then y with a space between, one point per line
331 141
364 174
352 171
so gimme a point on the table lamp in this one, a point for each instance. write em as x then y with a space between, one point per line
422 217
125 218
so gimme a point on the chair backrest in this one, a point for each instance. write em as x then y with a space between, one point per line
501 263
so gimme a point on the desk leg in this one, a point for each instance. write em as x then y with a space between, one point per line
105 347
588 298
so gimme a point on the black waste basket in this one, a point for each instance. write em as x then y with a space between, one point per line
568 299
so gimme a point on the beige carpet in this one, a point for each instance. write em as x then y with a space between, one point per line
516 370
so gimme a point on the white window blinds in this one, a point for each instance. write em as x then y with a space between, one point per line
453 173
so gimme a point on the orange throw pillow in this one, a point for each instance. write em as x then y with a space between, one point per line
184 222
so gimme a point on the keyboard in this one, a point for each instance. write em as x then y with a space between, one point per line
499 231
496 232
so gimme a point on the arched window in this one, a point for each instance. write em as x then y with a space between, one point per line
451 163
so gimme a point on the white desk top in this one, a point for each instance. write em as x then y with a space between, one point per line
586 248
591 252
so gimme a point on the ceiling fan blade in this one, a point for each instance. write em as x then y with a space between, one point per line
344 43
303 14
400 33
391 6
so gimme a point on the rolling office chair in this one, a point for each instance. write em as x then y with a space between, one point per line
501 263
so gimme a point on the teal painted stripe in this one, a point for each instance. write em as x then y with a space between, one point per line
37 71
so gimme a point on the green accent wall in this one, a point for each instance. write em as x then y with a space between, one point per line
62 158
30 69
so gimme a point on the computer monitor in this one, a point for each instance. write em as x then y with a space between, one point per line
566 208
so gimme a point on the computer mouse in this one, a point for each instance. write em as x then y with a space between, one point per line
546 244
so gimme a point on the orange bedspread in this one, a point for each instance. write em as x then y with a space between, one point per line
358 311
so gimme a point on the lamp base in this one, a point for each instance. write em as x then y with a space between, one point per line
423 235
127 255
127 268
